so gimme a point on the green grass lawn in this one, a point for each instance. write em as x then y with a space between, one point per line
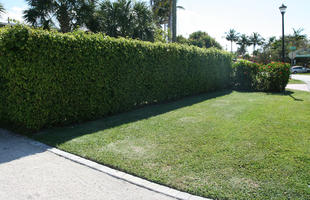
223 145
293 81
304 74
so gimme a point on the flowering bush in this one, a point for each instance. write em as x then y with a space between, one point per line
272 77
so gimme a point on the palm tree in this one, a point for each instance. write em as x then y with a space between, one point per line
298 37
243 42
143 22
42 13
232 36
2 10
256 39
165 13
123 18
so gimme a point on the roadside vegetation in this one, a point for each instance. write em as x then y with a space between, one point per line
222 145
293 81
171 113
266 50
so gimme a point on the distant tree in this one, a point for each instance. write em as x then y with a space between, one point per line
243 43
86 14
182 40
123 18
203 40
69 13
40 13
2 10
272 49
163 13
232 36
161 10
264 54
160 35
143 22
256 39
299 39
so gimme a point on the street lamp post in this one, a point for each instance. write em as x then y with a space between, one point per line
283 10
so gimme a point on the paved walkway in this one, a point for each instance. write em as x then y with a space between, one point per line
30 172
303 87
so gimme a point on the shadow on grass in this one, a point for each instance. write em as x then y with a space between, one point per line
56 136
286 93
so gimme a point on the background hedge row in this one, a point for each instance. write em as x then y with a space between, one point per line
272 77
49 78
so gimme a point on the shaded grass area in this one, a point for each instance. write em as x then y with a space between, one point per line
293 81
223 145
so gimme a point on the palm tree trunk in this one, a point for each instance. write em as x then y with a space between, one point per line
174 20
231 43
63 18
254 49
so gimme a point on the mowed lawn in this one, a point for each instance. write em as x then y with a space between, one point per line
303 73
223 145
293 81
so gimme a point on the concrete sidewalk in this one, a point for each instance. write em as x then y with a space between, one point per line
29 172
301 87
304 78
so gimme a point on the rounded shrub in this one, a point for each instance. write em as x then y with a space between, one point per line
272 77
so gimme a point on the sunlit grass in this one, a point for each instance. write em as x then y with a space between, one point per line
224 145
293 81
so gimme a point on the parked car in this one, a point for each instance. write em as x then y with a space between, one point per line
298 69
308 70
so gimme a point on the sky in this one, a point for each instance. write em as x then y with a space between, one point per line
217 17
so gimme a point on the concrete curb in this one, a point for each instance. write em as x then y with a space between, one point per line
115 173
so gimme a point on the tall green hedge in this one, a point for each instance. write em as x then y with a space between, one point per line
49 78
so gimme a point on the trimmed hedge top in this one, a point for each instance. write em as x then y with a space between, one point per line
50 78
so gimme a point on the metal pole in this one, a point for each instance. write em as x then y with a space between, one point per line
283 48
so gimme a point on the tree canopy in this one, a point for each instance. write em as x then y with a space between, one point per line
203 40
2 10
232 35
69 13
124 18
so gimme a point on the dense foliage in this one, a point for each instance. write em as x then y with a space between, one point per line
232 36
272 49
2 10
69 14
272 77
50 78
269 49
123 18
120 18
203 40
199 39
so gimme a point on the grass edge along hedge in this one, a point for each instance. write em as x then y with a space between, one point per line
49 79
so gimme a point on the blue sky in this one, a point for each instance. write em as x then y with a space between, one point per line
217 17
